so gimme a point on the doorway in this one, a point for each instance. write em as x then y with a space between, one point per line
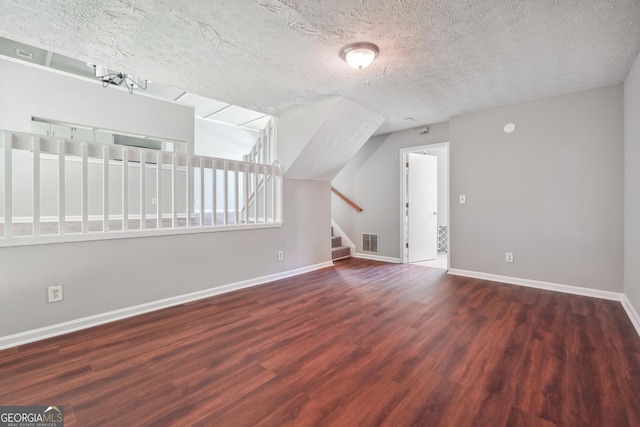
425 205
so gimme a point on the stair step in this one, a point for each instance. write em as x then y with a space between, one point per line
336 241
340 252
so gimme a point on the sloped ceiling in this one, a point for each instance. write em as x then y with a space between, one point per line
438 58
339 132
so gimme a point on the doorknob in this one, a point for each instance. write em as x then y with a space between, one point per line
435 213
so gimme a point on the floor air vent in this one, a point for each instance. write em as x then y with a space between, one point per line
369 242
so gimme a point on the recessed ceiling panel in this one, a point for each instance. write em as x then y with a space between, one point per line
236 115
257 124
161 91
204 106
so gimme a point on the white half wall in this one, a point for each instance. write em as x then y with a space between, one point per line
28 91
632 186
108 275
551 192
33 91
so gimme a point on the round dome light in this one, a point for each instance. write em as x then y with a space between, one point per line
509 127
359 55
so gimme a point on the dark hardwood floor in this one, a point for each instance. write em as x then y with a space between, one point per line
361 344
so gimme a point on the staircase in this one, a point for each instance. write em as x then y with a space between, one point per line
337 250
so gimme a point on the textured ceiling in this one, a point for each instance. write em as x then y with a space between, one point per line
438 58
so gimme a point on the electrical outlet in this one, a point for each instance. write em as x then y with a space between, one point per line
509 256
55 293
463 199
154 202
280 255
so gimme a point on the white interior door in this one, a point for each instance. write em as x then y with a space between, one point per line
422 216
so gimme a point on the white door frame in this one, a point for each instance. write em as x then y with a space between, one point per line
403 194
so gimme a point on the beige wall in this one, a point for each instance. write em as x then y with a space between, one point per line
632 185
372 180
107 275
551 192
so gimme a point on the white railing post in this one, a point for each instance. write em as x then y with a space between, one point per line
159 192
105 189
255 193
214 193
189 190
8 185
125 189
174 191
61 187
143 190
201 192
274 195
237 197
226 193
84 187
264 194
36 186
245 210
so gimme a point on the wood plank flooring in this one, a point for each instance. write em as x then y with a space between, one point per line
361 344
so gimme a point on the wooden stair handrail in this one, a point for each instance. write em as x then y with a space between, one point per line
349 202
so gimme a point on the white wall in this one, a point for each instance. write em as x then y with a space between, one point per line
31 91
297 127
222 141
27 91
371 179
551 192
100 276
632 185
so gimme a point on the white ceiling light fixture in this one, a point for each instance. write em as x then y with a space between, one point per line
110 77
359 55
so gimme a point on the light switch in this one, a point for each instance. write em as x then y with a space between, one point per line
463 199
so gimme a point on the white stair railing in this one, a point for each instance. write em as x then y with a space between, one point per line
264 152
65 187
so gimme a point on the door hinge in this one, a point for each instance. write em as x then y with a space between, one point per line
407 245
407 204
407 164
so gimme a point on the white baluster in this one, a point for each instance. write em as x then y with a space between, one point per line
8 186
36 185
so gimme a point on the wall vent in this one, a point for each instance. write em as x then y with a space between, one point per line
24 53
369 242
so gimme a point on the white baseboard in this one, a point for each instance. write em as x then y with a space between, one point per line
111 316
377 258
567 289
631 312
